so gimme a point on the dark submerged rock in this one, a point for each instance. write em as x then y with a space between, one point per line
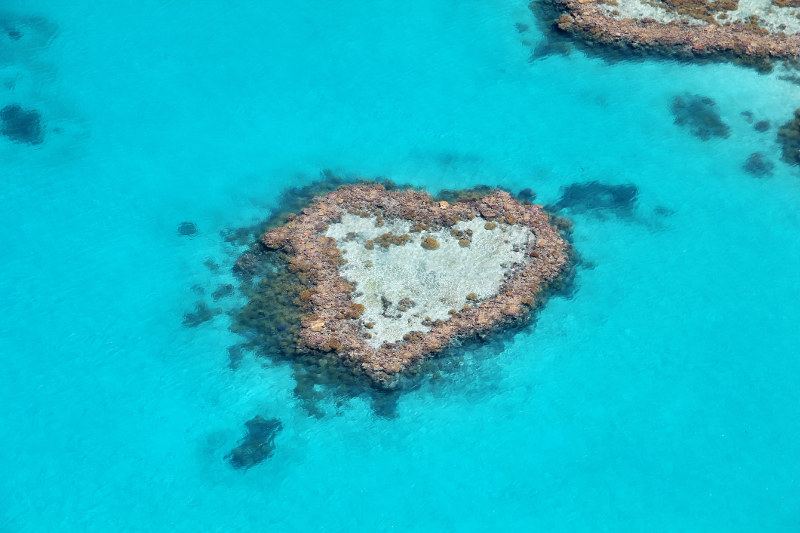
21 125
758 166
202 313
187 229
593 195
257 445
699 113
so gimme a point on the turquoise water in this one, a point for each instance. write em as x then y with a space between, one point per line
661 396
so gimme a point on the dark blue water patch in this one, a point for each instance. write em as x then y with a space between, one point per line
700 115
594 196
20 125
759 166
257 445
202 313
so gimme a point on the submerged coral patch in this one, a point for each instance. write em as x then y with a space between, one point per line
257 445
202 313
597 196
789 139
379 310
21 125
699 114
758 165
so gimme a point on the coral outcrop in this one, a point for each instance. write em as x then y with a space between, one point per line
336 312
257 445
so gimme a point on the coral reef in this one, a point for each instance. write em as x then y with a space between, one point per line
789 139
328 321
758 166
681 29
21 125
593 195
699 113
278 295
257 445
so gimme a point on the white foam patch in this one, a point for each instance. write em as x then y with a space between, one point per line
435 280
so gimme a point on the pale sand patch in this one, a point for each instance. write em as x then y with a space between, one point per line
435 280
772 18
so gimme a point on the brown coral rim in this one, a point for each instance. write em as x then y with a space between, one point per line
330 319
585 20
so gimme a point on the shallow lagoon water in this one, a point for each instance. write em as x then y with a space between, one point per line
662 395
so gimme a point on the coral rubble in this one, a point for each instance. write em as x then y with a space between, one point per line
382 309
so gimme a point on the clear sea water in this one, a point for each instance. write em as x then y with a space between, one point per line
662 396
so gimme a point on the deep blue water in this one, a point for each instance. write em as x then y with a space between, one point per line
661 396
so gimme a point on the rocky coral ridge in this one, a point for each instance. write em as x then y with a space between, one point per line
594 21
332 321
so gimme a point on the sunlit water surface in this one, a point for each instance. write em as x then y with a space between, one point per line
660 396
